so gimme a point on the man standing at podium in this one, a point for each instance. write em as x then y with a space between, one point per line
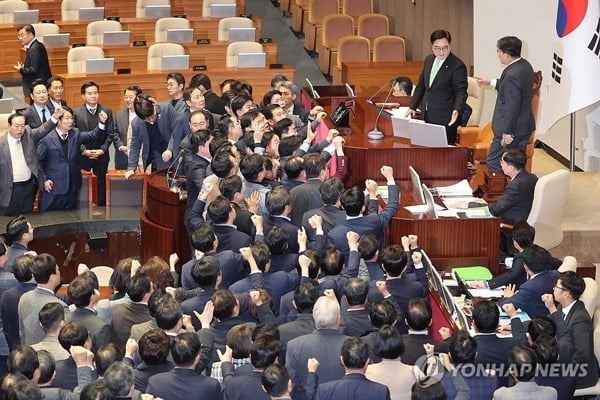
442 86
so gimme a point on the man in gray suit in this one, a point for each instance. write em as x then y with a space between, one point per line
513 121
18 159
46 272
52 319
122 126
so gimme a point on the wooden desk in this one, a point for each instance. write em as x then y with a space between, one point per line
368 77
153 82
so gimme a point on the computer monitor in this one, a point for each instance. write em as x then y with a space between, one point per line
26 16
157 11
116 38
178 62
252 60
429 201
7 105
223 10
99 65
416 184
427 135
400 126
56 40
242 34
91 13
180 35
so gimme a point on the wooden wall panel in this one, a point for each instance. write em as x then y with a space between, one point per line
415 22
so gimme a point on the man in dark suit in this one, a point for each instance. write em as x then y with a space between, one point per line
58 154
122 126
567 293
36 64
541 281
175 85
207 276
418 320
72 334
41 109
18 160
307 196
354 384
214 104
125 315
196 168
194 104
55 91
154 348
305 297
355 319
94 154
183 382
513 121
278 202
442 86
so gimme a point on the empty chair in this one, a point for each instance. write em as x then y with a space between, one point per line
7 7
350 48
42 29
232 22
157 50
299 9
77 56
569 264
235 48
317 10
69 9
163 24
103 273
389 48
475 100
372 26
589 296
356 8
334 27
96 29
140 6
207 9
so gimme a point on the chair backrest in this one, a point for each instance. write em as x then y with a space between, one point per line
121 192
334 27
96 29
4 122
140 6
475 95
589 297
596 321
69 9
7 7
356 8
353 48
569 264
157 50
232 22
389 48
206 5
163 24
373 25
103 273
76 58
235 48
549 202
319 9
42 29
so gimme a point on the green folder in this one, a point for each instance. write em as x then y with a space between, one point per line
472 273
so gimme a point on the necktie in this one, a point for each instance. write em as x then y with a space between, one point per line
92 111
18 141
43 115
434 70
63 136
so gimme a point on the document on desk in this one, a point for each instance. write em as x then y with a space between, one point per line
422 208
450 202
486 293
462 188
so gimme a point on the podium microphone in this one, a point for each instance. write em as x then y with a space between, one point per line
173 178
378 91
376 134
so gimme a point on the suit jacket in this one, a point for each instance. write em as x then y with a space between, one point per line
283 262
581 327
197 304
525 390
87 122
515 203
98 329
305 197
356 322
29 142
36 65
124 316
564 385
303 325
120 127
184 384
413 347
243 387
512 113
10 312
230 238
32 118
517 275
138 330
179 106
140 140
30 305
66 374
276 283
352 387
53 346
331 215
64 171
528 298
447 92
287 226
143 372
396 375
195 172
214 104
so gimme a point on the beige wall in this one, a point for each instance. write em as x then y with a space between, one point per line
416 22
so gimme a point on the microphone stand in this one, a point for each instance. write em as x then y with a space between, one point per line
376 134
369 100
172 178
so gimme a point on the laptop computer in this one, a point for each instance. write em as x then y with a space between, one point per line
252 60
427 135
400 126
429 201
26 16
91 13
416 184
223 10
180 35
7 105
116 37
157 11
99 65
56 40
242 34
179 62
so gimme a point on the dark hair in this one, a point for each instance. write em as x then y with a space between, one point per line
388 343
261 253
463 348
37 82
355 353
118 379
178 76
275 380
510 45
572 283
154 301
105 356
80 291
94 391
404 83
47 366
238 102
536 258
133 88
280 127
331 190
225 302
428 388
50 316
9 381
143 105
22 267
239 338
87 85
225 124
138 286
154 347
269 95
288 146
356 291
368 245
121 275
221 163
278 78
206 271
266 329
523 234
185 348
541 325
353 201
17 226
168 313
200 137
200 80
332 261
314 163
28 28
229 186
305 297
218 210
546 349
383 312
293 167
11 117
394 260
277 199
43 266
486 316
251 167
73 334
264 351
313 267
26 390
440 34
523 362
515 157
418 314
23 359
277 240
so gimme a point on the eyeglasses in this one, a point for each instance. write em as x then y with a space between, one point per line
441 49
560 288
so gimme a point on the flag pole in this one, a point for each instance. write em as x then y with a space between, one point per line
572 144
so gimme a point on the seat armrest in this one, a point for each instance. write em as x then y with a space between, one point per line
468 135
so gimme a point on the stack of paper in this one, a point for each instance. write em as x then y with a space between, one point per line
461 188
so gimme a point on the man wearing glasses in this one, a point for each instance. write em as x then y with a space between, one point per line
442 86
36 64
